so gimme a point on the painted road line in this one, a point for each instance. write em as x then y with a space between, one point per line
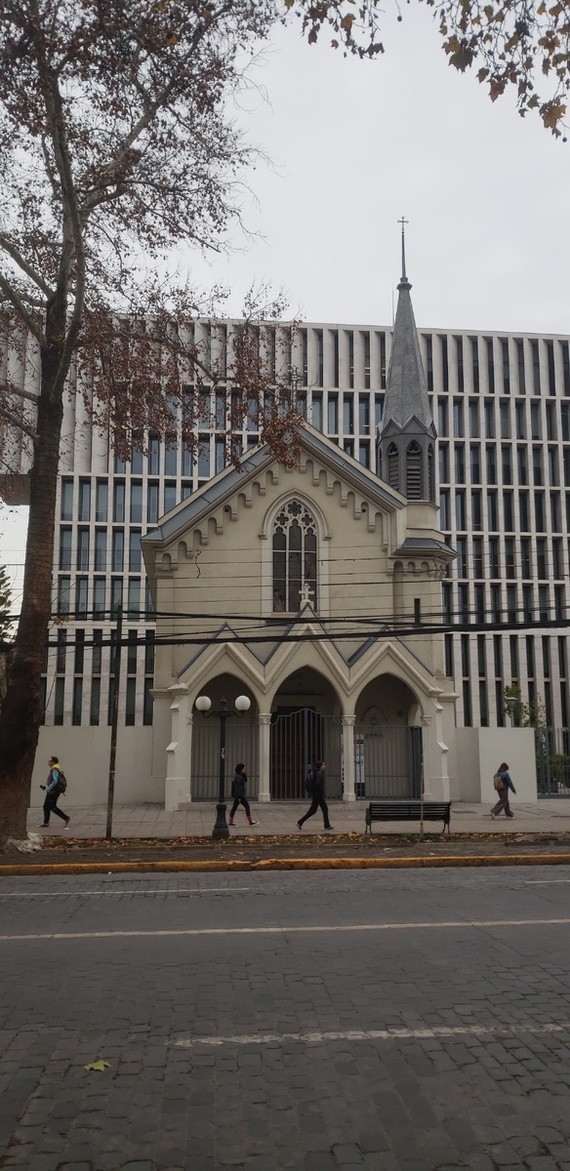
56 894
317 1038
318 929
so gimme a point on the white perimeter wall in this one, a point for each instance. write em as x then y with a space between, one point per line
474 754
84 757
477 754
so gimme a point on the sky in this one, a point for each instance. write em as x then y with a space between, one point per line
352 146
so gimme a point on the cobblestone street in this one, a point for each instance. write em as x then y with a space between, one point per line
387 1021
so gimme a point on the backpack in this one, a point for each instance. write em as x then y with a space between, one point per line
498 782
310 782
62 783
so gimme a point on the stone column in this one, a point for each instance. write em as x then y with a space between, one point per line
264 721
348 757
177 788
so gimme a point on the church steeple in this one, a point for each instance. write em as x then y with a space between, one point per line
407 433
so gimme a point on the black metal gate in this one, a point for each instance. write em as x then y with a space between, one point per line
387 761
553 762
299 738
241 745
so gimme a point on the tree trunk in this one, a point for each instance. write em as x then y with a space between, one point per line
21 713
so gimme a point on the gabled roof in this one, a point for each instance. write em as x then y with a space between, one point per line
194 508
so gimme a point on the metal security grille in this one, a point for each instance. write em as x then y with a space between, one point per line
553 762
298 739
387 761
241 746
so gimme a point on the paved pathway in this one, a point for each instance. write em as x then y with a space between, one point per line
139 821
388 1022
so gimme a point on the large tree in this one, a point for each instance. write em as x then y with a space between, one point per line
5 604
115 147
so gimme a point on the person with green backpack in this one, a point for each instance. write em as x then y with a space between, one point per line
55 785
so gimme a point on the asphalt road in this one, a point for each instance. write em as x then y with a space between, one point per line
322 1021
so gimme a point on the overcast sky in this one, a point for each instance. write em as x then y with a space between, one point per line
355 145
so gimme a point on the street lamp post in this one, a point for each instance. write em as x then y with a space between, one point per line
242 704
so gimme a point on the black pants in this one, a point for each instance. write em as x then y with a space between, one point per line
240 801
50 806
317 802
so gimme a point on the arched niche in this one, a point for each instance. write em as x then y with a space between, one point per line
387 699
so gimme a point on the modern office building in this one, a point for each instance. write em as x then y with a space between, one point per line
501 406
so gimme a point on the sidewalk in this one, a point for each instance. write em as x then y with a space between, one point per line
280 817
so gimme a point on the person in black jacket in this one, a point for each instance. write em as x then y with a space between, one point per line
238 793
315 785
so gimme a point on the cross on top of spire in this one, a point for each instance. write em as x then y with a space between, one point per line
403 222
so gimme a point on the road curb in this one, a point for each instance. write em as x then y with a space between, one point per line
172 865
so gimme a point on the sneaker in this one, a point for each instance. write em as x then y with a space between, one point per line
299 826
43 825
329 827
231 822
254 823
67 821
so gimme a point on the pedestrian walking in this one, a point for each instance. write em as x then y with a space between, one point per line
55 785
238 793
315 786
503 783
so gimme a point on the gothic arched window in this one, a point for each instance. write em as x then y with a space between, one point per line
294 557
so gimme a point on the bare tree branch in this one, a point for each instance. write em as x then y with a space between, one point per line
15 421
22 263
14 297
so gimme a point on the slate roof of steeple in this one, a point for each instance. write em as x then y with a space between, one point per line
406 387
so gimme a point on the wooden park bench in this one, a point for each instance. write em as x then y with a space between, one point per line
408 810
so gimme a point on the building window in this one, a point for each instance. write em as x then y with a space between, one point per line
95 705
135 550
170 496
294 557
77 701
100 550
84 500
443 463
67 500
101 498
65 548
81 596
119 501
99 596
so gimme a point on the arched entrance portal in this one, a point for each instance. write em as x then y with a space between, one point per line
387 740
241 741
305 726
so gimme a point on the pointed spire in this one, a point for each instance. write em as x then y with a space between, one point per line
406 388
407 430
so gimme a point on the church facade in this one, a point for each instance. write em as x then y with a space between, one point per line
311 591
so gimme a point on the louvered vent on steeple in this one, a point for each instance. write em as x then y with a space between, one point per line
414 471
393 467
